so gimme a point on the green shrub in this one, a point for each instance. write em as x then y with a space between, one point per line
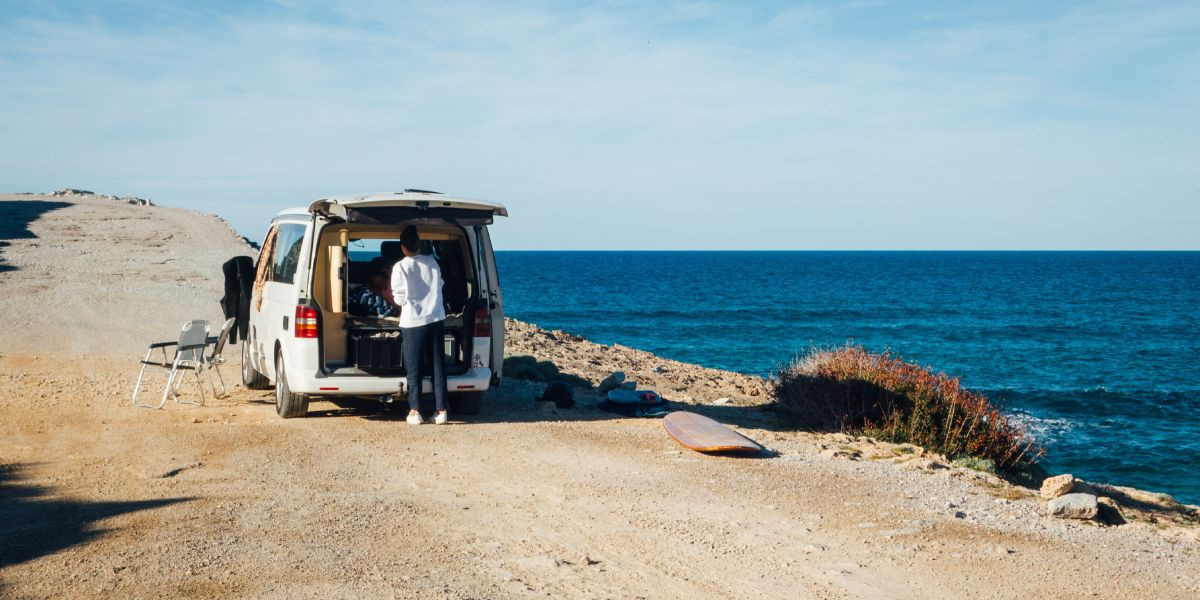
530 368
984 465
859 392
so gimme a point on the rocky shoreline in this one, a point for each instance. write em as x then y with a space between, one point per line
1063 496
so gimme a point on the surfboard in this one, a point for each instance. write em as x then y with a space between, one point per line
635 403
702 434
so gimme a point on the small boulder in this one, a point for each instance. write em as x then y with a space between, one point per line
1058 485
1073 506
612 382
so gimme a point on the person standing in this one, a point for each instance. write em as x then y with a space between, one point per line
417 290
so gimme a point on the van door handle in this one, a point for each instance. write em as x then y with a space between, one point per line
285 322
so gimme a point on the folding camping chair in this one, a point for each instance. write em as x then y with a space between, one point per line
189 355
214 360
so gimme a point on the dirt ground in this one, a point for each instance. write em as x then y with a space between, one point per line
100 499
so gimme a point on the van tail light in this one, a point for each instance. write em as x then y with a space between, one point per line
483 322
306 322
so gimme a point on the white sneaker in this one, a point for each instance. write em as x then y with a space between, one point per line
441 418
414 418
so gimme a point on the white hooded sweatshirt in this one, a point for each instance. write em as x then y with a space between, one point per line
417 290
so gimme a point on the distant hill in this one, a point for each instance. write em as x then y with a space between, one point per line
88 273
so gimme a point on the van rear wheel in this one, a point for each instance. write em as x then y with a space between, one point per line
287 403
466 403
251 378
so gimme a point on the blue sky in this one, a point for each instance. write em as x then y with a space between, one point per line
856 125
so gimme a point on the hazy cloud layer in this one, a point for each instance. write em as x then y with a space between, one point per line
690 125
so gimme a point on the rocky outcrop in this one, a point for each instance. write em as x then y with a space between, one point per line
1072 498
71 192
1073 506
1066 483
677 381
1058 485
612 382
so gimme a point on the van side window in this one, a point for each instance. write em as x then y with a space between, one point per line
288 241
264 254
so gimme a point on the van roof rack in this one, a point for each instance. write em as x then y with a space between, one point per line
413 191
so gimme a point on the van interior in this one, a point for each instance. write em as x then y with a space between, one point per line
354 341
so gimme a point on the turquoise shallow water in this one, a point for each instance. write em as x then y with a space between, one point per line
1099 352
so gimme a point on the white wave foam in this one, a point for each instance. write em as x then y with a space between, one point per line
1043 429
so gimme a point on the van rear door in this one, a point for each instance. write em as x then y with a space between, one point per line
408 206
420 207
495 302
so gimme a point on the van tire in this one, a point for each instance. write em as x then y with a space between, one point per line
251 378
466 403
287 403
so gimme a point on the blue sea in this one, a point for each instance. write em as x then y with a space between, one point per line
1097 352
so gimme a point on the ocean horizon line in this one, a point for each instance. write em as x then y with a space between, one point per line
870 250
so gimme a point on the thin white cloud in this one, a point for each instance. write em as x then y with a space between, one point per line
942 131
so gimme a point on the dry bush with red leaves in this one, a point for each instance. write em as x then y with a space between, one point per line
849 389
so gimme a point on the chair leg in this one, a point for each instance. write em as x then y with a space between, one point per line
199 384
170 387
224 392
138 386
178 382
211 385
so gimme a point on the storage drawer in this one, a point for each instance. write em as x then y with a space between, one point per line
383 351
377 351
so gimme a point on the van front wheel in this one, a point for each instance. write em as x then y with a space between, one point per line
466 403
287 403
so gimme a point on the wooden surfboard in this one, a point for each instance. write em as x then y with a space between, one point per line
702 434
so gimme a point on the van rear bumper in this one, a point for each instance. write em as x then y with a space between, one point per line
307 382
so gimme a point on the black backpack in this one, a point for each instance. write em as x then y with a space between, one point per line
561 394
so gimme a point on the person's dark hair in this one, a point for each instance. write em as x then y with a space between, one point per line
410 239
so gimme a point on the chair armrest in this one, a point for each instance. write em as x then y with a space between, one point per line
212 339
162 345
187 347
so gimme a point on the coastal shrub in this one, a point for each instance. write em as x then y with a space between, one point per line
849 389
530 368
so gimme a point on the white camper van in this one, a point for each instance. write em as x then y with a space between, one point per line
307 338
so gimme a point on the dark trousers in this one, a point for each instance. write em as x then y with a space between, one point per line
425 342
